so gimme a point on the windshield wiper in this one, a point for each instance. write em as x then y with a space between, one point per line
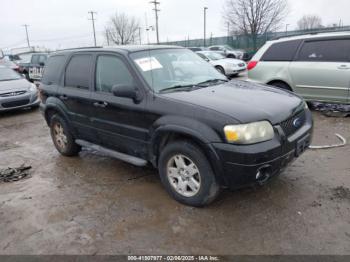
177 88
211 81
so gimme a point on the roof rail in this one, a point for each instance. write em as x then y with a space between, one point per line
315 32
78 48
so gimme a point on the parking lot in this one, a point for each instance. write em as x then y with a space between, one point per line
97 205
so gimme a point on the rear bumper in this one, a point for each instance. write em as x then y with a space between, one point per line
244 165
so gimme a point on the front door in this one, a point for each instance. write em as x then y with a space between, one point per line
321 71
119 121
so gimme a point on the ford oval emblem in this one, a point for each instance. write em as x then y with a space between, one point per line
297 122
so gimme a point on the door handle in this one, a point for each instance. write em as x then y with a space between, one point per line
63 97
101 104
344 67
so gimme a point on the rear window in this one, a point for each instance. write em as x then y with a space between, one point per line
53 70
78 72
283 51
326 51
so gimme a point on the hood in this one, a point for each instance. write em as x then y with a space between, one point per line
246 102
14 86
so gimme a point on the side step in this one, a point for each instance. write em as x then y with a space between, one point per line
121 156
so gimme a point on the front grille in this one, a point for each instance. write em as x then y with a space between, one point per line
9 94
293 124
15 103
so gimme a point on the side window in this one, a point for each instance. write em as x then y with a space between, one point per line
35 59
42 58
326 51
215 48
53 70
110 71
283 51
78 71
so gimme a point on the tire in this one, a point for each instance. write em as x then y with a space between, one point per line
231 56
220 69
62 137
190 193
281 85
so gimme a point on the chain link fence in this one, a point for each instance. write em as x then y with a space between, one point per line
246 42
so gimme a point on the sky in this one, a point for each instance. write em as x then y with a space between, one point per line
60 24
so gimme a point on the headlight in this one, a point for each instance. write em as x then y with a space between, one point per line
33 88
249 133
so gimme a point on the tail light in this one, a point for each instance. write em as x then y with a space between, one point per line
252 64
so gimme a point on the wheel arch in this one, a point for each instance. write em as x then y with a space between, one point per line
272 82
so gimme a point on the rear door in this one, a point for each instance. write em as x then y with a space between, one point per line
76 94
120 122
321 71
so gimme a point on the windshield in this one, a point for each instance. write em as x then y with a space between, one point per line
229 48
7 74
214 56
167 68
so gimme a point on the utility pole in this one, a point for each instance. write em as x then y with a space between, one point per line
93 24
205 26
26 27
156 10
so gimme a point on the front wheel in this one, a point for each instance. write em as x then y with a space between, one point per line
62 137
220 69
187 175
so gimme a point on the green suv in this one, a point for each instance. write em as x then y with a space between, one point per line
315 66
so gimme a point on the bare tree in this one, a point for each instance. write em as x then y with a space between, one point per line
254 17
122 29
308 22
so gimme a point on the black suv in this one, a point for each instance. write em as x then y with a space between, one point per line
166 106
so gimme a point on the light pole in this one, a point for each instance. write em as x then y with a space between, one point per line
205 26
93 25
287 28
26 27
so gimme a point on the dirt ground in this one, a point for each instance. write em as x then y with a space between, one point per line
97 205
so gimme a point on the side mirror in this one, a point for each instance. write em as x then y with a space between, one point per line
127 91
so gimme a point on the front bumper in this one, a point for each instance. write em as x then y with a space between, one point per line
27 99
244 165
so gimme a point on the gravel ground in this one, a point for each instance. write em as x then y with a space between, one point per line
93 204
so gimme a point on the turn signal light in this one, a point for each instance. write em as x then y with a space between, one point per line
252 65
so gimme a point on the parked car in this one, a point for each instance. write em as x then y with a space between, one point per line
33 68
200 130
7 63
13 58
226 66
315 66
228 51
15 91
197 49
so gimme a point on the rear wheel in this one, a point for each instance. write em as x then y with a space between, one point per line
187 175
62 137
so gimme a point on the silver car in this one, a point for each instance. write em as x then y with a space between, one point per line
315 66
226 66
15 91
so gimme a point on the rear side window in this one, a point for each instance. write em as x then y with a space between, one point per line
110 71
53 70
326 51
283 51
78 71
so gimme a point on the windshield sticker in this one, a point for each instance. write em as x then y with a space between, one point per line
148 63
